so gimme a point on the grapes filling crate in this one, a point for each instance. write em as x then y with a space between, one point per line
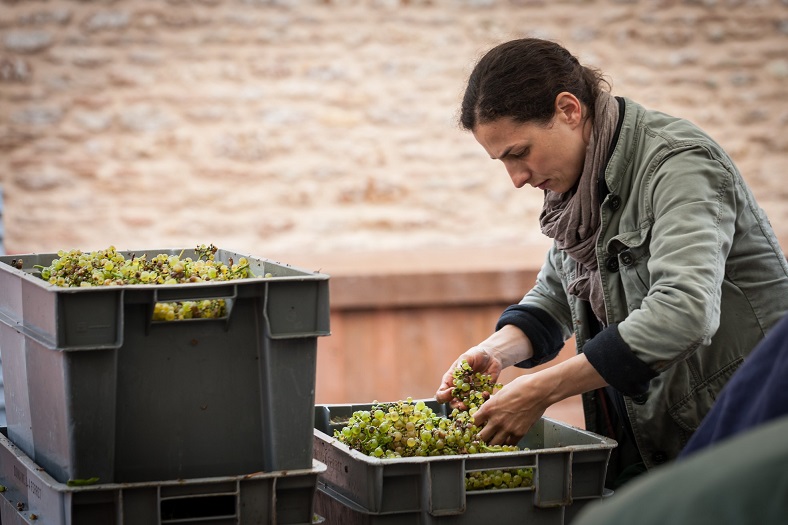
96 388
568 466
29 496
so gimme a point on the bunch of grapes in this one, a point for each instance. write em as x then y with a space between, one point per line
472 388
499 479
408 428
111 268
179 310
405 428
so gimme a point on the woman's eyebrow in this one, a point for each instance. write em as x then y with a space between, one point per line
503 154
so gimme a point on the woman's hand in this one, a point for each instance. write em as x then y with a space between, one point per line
507 346
508 415
481 360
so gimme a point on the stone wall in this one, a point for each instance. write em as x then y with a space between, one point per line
284 126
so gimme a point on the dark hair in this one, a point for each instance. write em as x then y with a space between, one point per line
521 79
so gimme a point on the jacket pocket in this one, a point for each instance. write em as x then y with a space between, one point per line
690 410
632 251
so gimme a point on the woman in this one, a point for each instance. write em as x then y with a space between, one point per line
663 266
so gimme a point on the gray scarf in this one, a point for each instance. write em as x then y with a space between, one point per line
571 219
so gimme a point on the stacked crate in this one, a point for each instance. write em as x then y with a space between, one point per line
104 404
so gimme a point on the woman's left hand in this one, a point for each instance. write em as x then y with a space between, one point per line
511 412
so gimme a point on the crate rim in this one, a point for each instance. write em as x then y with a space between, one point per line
308 275
604 444
318 468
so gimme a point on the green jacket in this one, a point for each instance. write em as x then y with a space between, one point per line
693 278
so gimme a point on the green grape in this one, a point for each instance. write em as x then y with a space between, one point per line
109 267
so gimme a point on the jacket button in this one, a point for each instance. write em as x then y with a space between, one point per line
615 202
612 264
627 258
659 457
639 399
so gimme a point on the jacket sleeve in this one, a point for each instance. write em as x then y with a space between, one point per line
615 361
541 329
689 199
543 315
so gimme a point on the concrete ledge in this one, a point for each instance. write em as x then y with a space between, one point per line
430 289
421 278
371 280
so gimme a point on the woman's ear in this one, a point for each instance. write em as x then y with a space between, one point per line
569 109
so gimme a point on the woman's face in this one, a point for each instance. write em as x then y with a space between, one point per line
548 157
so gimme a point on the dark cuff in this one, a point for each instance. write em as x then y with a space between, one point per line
543 331
612 357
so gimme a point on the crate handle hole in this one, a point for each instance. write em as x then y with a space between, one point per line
192 507
191 309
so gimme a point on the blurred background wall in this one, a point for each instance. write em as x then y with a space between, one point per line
323 133
330 125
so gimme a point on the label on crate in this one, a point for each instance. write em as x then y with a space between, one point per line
32 488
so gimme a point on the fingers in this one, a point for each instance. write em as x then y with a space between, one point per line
497 435
492 432
480 417
494 435
447 381
447 385
446 397
499 427
443 395
479 360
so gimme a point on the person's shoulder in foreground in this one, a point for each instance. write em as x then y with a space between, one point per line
734 470
739 481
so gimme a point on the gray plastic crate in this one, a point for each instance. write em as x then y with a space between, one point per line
498 507
569 465
32 497
94 388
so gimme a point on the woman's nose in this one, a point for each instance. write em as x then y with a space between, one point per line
519 176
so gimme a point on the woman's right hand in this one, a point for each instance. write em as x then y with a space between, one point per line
481 359
503 348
